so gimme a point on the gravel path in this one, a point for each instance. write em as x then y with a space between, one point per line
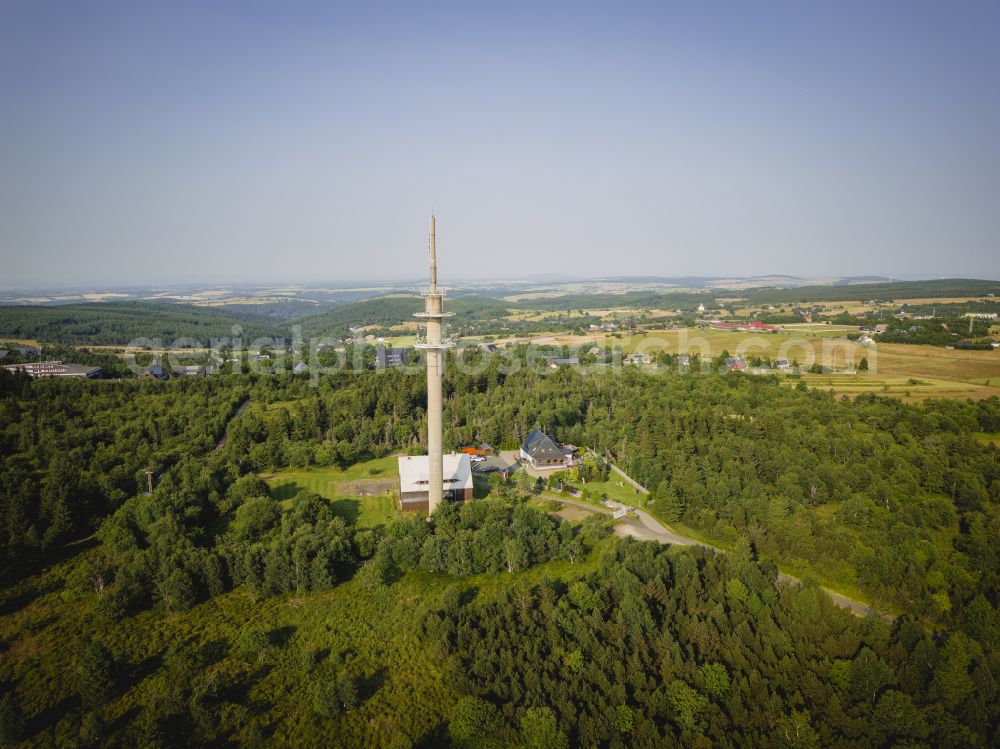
647 528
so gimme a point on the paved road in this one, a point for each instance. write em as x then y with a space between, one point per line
647 528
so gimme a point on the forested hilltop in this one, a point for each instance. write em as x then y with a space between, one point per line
212 610
941 287
104 323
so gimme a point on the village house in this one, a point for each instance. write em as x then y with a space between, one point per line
192 370
555 362
54 369
390 357
154 372
541 451
756 326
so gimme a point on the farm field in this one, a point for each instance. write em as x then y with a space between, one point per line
399 341
21 341
789 343
853 306
938 372
917 372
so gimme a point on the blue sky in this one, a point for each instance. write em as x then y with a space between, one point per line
253 141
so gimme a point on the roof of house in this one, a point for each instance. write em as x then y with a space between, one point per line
55 368
456 471
390 357
540 446
80 369
301 367
157 370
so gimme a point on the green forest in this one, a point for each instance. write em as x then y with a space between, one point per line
937 331
101 323
941 287
384 312
118 323
210 613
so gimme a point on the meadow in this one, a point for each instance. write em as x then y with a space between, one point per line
614 489
367 512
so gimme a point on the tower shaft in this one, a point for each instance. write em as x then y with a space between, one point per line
435 468
434 345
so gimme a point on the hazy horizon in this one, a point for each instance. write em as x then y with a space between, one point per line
242 143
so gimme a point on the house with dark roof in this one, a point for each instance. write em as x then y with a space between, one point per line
191 370
390 357
556 362
155 372
541 451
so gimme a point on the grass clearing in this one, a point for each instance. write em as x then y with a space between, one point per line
615 489
365 512
324 476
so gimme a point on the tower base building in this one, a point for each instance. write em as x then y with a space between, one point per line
414 480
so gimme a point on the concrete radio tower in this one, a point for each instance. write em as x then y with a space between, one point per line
433 314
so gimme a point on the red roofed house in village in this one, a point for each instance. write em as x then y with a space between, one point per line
755 326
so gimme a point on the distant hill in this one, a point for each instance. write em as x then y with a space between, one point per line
687 300
944 287
108 323
852 280
387 311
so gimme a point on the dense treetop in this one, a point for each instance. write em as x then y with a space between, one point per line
629 644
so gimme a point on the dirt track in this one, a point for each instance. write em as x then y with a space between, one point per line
647 528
